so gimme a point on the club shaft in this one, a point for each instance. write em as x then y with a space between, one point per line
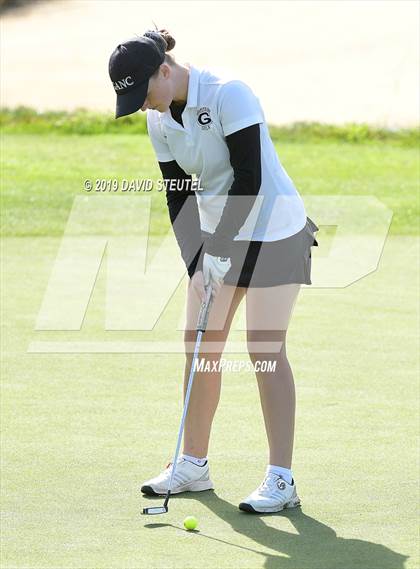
186 401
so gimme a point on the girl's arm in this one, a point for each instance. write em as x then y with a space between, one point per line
245 158
184 216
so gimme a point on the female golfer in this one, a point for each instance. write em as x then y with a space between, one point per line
243 231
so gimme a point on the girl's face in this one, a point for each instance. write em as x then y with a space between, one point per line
159 94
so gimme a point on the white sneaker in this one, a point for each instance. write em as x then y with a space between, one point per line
188 478
273 495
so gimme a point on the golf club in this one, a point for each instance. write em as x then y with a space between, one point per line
201 328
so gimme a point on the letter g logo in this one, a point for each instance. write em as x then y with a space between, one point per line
204 118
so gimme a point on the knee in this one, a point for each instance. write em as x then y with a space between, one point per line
211 347
266 344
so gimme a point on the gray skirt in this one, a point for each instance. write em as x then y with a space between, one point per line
272 263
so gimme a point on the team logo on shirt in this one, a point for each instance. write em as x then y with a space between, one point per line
204 118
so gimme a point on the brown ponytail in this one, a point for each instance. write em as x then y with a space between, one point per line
164 42
170 42
162 38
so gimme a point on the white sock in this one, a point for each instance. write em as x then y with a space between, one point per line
285 473
195 460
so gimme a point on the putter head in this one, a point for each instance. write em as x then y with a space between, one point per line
155 510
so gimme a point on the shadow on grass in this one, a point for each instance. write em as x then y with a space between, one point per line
316 546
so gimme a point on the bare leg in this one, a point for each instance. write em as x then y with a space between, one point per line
205 392
267 309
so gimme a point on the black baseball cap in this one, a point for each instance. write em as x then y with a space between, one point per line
131 65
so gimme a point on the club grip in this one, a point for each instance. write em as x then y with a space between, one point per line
204 310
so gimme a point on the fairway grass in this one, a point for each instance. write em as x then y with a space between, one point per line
82 431
43 174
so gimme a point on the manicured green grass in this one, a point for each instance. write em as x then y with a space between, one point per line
43 174
81 431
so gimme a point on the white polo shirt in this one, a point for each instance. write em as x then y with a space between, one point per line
217 107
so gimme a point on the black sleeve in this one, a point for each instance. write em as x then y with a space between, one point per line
183 213
245 158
